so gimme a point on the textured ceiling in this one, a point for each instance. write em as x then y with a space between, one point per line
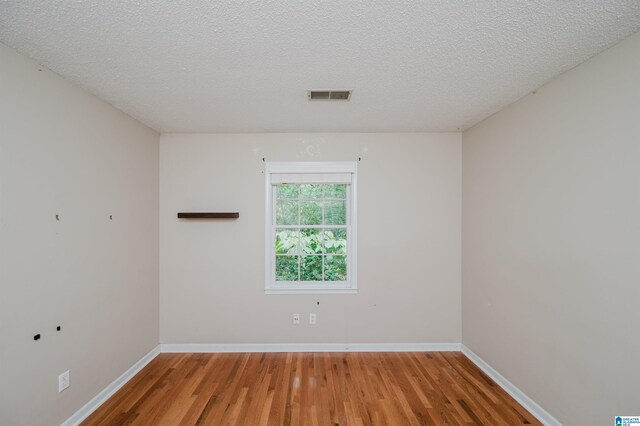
246 66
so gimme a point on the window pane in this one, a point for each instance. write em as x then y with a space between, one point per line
335 241
286 268
335 213
310 228
311 212
310 241
313 190
335 268
286 212
335 191
311 268
287 190
287 241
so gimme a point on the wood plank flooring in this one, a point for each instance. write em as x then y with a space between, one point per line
422 388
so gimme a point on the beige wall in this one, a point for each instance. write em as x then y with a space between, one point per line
212 271
551 240
63 151
550 254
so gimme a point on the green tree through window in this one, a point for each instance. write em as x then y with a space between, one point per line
310 233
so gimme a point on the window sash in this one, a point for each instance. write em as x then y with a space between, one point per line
299 283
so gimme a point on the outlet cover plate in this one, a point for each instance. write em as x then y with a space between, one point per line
63 381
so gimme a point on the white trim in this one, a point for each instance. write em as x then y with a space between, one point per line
284 178
308 347
311 291
528 403
353 228
268 212
107 392
309 168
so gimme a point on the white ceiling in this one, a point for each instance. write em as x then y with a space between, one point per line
246 66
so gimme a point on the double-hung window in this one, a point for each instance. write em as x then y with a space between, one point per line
310 227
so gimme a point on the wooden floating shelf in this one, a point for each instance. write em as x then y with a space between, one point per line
231 215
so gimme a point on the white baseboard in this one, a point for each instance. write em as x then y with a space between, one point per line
107 392
309 347
528 403
84 412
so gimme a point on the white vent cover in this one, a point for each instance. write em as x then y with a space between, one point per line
329 95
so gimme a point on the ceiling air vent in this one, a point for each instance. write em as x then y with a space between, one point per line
329 95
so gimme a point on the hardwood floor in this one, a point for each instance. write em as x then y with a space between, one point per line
431 388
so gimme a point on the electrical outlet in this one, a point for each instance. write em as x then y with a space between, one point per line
312 319
63 381
296 319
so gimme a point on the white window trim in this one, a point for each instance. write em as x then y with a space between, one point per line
312 167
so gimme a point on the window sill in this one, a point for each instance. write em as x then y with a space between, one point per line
311 291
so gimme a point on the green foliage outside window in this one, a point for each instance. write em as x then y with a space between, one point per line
311 253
